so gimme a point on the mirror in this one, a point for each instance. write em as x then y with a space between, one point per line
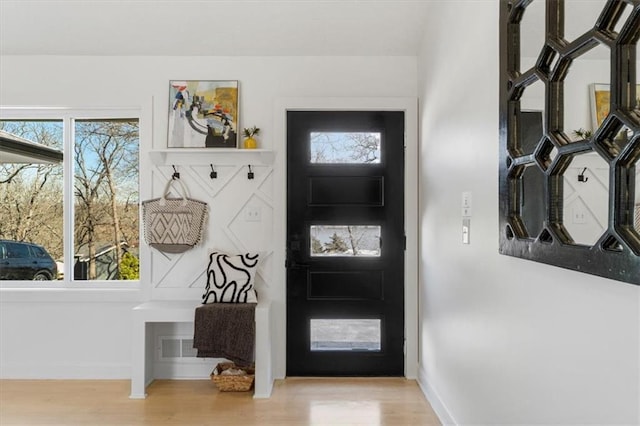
570 135
586 198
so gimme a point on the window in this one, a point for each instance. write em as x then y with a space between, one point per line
69 185
345 335
345 147
344 240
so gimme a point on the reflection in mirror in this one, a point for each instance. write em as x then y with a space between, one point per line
546 153
587 11
623 17
530 132
636 217
533 109
634 175
532 100
532 40
553 154
614 137
578 97
586 198
532 210
623 138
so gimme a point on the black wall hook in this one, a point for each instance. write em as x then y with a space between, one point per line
250 174
213 173
175 174
582 177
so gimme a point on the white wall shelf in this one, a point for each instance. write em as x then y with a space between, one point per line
215 156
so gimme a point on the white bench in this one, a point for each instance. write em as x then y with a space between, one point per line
184 311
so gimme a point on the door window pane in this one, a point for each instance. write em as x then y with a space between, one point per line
106 226
345 147
345 335
345 240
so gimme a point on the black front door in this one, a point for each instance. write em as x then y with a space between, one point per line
345 243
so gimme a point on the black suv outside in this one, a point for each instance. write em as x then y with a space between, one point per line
25 261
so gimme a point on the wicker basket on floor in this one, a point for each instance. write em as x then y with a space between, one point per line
233 383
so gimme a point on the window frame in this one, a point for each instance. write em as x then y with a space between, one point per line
119 289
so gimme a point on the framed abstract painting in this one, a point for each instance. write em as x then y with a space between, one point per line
600 103
203 114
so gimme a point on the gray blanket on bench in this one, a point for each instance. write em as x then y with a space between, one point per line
226 330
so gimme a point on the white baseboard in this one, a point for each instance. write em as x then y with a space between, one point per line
43 371
263 392
138 396
444 415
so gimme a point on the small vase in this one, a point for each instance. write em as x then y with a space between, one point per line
250 143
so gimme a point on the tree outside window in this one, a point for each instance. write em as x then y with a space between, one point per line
105 197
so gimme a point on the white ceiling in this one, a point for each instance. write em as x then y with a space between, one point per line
212 27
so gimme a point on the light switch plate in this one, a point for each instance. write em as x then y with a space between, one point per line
466 230
466 204
252 214
466 199
579 214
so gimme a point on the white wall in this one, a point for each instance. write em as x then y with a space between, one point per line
65 340
503 340
94 337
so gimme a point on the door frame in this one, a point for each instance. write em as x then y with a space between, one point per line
278 290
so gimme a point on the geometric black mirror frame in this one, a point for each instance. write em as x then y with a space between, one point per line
616 253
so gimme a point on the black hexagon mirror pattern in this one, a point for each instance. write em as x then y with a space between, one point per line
569 169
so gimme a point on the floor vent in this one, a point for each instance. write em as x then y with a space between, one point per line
173 347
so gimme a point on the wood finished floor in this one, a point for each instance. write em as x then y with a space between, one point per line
294 401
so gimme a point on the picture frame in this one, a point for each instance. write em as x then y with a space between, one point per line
600 103
203 114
